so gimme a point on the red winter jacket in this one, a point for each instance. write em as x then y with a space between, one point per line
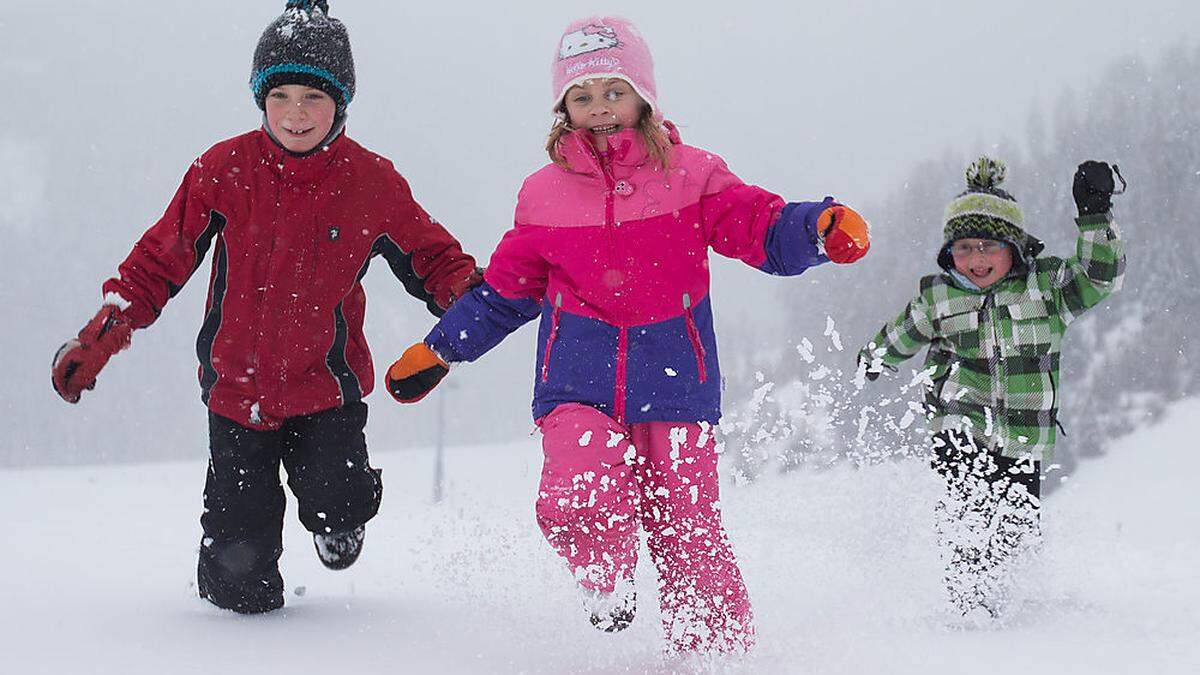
292 238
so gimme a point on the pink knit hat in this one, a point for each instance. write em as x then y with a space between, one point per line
603 47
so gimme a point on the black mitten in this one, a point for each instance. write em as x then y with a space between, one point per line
1093 188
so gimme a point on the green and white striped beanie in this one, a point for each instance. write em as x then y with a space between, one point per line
985 211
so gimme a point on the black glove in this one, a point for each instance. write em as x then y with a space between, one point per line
865 365
1093 188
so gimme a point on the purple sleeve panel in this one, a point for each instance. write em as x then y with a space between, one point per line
478 321
792 244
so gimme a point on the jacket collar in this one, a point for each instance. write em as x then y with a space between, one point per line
578 149
625 148
291 168
960 281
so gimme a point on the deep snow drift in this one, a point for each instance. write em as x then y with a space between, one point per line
96 575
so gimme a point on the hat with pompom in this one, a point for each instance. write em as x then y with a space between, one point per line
603 47
304 46
985 211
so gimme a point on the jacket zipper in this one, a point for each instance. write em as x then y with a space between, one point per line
694 336
553 335
999 427
265 389
622 364
610 217
610 225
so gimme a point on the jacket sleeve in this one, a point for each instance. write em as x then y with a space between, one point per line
167 254
1096 271
426 258
902 338
509 297
757 227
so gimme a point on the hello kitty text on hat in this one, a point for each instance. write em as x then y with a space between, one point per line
603 47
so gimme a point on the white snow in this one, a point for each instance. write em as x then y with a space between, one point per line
97 575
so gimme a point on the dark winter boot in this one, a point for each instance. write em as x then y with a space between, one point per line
611 612
240 576
339 550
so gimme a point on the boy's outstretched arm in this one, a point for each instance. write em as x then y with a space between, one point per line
425 257
161 262
1098 268
509 297
899 340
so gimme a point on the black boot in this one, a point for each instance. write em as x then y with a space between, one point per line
240 577
339 550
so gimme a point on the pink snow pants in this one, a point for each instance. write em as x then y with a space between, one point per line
601 480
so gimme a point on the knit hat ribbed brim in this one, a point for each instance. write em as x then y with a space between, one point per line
304 46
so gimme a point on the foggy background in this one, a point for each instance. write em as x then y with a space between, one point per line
879 104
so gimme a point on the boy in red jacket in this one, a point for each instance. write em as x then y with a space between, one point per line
293 212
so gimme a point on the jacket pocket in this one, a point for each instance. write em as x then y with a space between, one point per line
550 338
1032 331
961 330
694 336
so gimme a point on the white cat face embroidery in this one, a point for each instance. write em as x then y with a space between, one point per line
587 39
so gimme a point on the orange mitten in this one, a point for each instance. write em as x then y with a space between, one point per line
415 373
845 233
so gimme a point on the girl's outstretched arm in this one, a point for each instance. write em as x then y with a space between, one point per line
509 297
757 227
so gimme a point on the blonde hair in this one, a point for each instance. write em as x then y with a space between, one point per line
654 135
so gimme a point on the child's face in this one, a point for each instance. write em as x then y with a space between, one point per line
300 117
983 261
603 107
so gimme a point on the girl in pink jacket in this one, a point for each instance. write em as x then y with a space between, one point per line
610 251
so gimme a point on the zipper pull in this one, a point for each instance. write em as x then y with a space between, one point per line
558 301
687 301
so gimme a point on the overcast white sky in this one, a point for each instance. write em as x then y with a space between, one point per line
107 102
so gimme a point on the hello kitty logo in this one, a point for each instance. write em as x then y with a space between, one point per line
590 38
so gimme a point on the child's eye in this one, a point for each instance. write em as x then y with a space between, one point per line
582 99
613 94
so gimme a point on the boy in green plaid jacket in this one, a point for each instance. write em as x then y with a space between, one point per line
994 320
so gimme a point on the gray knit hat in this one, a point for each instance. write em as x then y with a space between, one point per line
304 46
984 211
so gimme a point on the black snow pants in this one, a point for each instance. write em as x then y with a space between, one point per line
325 455
987 520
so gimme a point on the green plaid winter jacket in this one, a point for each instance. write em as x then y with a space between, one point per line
993 354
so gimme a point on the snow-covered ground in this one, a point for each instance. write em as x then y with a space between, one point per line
96 576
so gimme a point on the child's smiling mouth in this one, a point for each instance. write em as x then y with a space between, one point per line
605 129
298 132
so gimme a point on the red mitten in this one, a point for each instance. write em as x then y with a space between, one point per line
415 373
79 361
845 233
463 287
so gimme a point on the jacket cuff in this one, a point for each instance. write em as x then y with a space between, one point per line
1097 221
136 313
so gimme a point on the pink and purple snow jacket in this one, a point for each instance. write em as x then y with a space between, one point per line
612 254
